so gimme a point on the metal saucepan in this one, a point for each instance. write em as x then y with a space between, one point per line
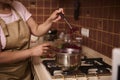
69 59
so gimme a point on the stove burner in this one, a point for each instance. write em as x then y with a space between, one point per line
88 66
97 65
51 66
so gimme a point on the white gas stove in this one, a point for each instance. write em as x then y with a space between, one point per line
90 69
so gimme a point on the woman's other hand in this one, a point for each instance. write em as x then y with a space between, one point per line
40 49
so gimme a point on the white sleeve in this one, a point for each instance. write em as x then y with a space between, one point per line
20 8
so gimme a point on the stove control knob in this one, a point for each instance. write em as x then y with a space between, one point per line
100 71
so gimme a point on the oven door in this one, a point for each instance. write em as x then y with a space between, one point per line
105 78
93 78
87 78
81 78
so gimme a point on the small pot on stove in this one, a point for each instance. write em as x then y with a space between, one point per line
68 59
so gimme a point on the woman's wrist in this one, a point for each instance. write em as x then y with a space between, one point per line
30 52
49 20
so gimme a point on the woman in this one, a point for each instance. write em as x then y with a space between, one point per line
16 26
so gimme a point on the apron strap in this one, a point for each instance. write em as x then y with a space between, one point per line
17 13
0 44
4 26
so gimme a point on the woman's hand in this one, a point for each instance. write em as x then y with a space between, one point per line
54 17
40 49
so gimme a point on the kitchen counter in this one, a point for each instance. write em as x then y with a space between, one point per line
40 71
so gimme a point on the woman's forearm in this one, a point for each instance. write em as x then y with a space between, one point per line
11 57
15 56
39 30
43 28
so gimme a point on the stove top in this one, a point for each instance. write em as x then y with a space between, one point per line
89 66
